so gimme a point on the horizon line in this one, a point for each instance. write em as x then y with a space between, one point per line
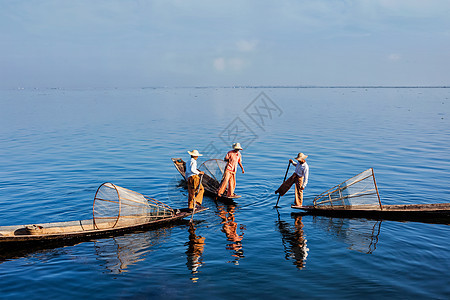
239 86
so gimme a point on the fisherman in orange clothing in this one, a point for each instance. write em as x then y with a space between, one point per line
233 158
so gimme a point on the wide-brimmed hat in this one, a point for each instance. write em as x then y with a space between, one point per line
194 153
301 156
237 146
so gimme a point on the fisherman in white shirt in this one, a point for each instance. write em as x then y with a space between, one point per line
300 178
193 180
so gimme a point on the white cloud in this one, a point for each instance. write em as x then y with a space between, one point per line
234 64
246 45
394 57
219 64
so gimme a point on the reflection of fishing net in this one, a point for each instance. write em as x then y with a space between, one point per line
121 252
360 190
359 234
115 206
214 169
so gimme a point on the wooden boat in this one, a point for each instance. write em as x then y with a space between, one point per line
116 210
83 229
213 169
430 213
358 197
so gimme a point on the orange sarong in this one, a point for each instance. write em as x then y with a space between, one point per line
228 182
192 183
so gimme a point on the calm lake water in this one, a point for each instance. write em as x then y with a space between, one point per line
58 146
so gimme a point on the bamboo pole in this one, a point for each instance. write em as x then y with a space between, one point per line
376 188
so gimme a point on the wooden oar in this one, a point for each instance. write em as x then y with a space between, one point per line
195 195
289 164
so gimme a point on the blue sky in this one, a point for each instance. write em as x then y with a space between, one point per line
85 44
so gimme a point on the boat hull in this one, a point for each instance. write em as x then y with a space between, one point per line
430 213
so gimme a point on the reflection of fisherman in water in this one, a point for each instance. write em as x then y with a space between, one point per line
230 229
296 248
194 252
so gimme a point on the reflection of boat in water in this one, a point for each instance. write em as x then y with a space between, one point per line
37 250
118 251
358 197
194 252
230 228
116 210
294 241
213 169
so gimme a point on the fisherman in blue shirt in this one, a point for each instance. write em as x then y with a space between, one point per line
193 180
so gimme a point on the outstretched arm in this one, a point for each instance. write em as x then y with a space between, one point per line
240 165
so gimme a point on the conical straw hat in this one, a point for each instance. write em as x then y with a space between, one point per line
237 146
194 153
301 156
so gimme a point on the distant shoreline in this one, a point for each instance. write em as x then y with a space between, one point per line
239 87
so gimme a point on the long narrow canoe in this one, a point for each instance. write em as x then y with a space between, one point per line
434 213
211 180
83 229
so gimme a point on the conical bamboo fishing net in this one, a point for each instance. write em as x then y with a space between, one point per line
214 169
115 206
359 191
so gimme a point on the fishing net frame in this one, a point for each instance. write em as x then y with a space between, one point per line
117 206
344 195
205 166
214 170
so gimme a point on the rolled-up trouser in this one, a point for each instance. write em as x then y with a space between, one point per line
228 182
298 191
192 183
